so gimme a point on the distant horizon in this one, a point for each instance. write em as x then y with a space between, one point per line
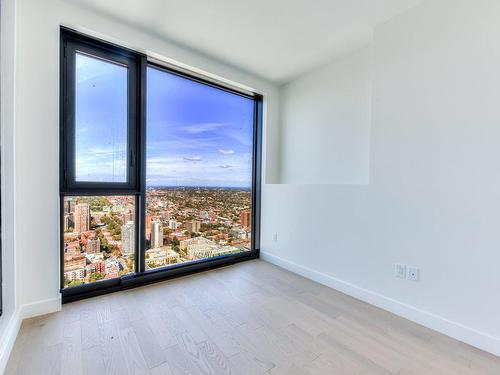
197 187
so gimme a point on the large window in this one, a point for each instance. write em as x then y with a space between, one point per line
160 170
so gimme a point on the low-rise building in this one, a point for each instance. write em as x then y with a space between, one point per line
202 248
161 257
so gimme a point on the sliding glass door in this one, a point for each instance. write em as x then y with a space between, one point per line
160 170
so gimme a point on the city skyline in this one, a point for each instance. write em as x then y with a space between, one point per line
181 225
198 186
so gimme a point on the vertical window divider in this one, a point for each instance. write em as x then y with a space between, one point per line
142 102
256 172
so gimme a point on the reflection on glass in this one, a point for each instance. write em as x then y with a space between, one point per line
99 238
199 171
100 120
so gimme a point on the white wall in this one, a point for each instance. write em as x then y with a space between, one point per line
328 110
433 200
9 322
37 130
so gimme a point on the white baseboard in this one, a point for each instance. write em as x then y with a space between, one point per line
455 330
43 307
12 329
8 339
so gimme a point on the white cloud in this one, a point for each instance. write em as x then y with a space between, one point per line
194 158
225 166
202 128
226 152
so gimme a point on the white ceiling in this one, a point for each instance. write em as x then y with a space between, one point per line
274 39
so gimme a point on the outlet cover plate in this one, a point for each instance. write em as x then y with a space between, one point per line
413 274
400 270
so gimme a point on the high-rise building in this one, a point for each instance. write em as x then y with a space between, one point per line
127 216
68 206
148 226
93 246
172 224
68 222
246 219
128 238
156 234
193 226
81 217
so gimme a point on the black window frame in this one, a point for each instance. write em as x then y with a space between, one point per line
1 244
72 41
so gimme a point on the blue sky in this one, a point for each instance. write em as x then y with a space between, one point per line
101 120
197 135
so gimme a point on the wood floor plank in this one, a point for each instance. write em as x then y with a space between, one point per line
248 363
71 356
264 345
136 363
180 362
215 327
337 364
150 347
189 347
216 360
93 361
194 328
90 328
163 369
111 351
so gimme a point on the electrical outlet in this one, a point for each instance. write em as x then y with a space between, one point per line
275 237
400 270
413 274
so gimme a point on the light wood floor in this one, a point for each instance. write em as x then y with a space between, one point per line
251 318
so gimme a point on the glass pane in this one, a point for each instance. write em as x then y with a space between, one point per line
99 238
199 171
100 120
